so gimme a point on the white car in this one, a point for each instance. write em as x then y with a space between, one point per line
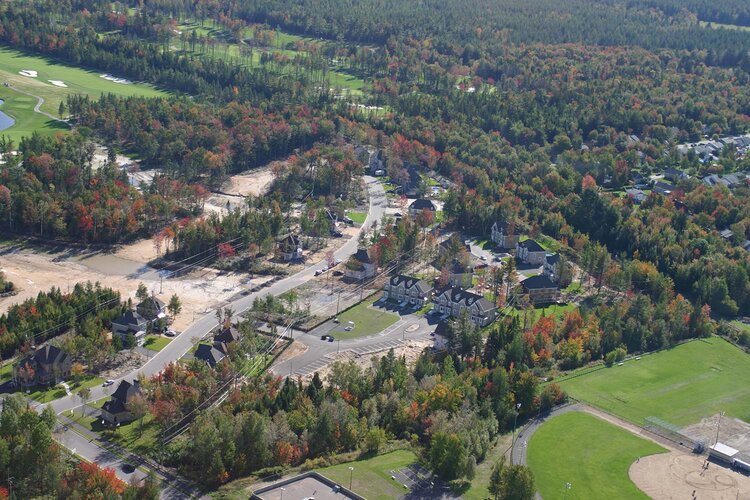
483 257
170 333
348 328
108 383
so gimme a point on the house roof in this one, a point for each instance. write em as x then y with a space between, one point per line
362 256
552 258
153 302
290 242
422 204
531 246
410 282
130 319
458 268
209 354
726 233
506 227
48 355
673 172
540 282
469 299
230 334
122 395
663 187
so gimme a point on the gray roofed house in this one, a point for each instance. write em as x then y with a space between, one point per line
726 234
130 322
152 308
49 364
663 188
209 354
531 252
454 301
541 289
636 195
228 335
675 175
115 411
551 262
290 248
404 288
735 180
420 204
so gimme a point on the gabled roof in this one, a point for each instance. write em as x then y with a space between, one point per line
663 187
362 256
552 259
120 398
726 234
209 354
422 204
506 227
409 282
49 355
537 283
230 334
130 319
468 299
153 302
290 242
531 246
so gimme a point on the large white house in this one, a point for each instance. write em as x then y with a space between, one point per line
360 266
505 235
455 301
531 252
403 288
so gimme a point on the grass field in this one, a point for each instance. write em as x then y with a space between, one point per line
680 385
367 321
556 310
156 342
78 81
358 217
371 478
590 454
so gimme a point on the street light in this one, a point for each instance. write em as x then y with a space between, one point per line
282 492
567 487
351 473
513 438
718 424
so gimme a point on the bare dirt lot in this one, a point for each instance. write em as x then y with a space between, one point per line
34 271
732 431
678 475
254 182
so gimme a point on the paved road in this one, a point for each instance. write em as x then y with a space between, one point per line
518 453
200 328
320 353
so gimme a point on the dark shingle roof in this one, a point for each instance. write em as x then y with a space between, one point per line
209 354
362 256
421 204
120 398
537 283
459 296
49 355
506 227
410 282
553 259
130 318
152 302
230 334
531 246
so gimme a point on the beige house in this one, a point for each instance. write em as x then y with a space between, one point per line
407 289
455 302
541 290
530 252
360 266
505 235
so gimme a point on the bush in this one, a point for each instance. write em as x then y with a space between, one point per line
374 439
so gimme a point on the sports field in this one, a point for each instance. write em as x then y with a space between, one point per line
680 385
590 454
76 80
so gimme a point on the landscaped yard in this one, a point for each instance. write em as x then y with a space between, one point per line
557 310
371 478
357 217
47 394
6 372
680 385
367 320
77 81
590 454
156 342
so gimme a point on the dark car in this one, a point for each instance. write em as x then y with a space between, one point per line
128 468
324 337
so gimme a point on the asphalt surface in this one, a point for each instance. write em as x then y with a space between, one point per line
90 448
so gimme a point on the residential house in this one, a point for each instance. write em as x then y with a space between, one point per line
746 245
551 264
116 411
454 302
419 205
636 195
152 309
735 180
209 354
403 288
663 188
48 365
726 234
639 180
541 290
360 266
290 248
505 235
460 275
228 335
714 180
130 323
674 175
530 252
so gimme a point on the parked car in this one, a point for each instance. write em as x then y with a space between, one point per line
348 328
170 333
324 337
483 257
108 383
330 338
318 272
336 320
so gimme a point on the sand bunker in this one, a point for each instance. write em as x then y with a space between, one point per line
114 79
58 83
28 72
678 475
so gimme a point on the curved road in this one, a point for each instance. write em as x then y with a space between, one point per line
39 103
181 344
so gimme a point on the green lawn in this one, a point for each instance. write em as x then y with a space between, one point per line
590 454
371 478
367 321
6 372
156 342
680 385
78 81
557 310
47 394
479 486
128 435
87 381
358 217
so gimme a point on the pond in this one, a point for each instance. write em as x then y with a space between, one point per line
5 120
